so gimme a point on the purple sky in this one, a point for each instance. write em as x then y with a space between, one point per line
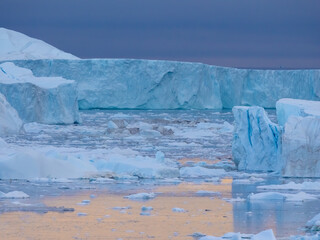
238 33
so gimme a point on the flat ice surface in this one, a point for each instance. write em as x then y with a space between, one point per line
15 45
287 107
51 100
149 84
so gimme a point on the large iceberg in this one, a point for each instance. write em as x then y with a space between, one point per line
15 45
287 107
257 141
301 147
51 100
151 84
10 123
292 149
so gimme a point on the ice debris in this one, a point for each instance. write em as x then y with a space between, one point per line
296 197
180 210
264 235
13 195
141 196
314 223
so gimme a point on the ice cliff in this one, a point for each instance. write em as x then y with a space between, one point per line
149 84
256 142
51 100
10 123
15 45
293 148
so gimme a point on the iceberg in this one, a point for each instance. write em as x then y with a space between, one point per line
15 45
256 141
50 100
287 107
301 147
10 123
152 84
292 149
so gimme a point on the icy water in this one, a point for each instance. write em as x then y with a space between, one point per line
86 209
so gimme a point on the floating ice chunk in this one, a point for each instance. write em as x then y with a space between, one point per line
112 125
314 223
196 172
10 122
266 196
306 186
264 235
300 197
84 202
81 214
15 45
50 100
121 208
14 195
204 193
141 196
287 107
301 147
145 208
257 141
181 210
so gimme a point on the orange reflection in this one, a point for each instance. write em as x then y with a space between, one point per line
204 214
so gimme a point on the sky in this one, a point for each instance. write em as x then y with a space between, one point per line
235 33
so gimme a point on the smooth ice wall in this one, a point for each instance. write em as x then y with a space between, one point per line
152 84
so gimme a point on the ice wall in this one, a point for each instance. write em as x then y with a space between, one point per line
140 84
149 84
301 147
296 107
10 123
50 100
257 141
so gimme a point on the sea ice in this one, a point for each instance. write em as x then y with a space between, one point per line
264 235
196 172
257 141
13 195
314 223
10 123
50 100
141 196
15 45
306 186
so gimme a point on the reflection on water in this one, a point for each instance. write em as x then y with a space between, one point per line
209 215
205 213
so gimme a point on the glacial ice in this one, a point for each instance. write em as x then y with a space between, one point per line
287 107
256 141
15 45
51 100
301 147
10 123
314 223
293 150
150 84
264 235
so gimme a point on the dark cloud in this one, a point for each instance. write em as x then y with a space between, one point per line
247 33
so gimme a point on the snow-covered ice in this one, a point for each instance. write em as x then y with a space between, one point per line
257 141
51 100
287 107
15 45
10 122
13 195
